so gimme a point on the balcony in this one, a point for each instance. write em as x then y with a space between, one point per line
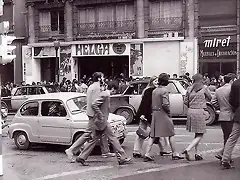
47 31
107 29
164 25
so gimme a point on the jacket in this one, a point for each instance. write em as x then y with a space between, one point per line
93 93
234 99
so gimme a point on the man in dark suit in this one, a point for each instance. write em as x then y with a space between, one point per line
234 100
220 101
98 109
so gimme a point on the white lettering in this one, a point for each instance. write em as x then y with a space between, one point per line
211 43
93 49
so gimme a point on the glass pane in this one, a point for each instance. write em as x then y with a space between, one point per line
53 108
76 105
29 109
54 21
172 88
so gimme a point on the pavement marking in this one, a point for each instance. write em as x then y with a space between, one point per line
73 172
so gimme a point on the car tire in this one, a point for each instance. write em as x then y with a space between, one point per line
210 115
21 140
121 140
127 113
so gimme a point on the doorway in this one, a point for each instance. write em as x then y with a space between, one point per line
48 66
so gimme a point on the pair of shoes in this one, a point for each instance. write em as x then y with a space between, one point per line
108 155
164 153
198 157
70 155
219 157
124 161
185 152
226 165
137 155
177 157
148 158
82 161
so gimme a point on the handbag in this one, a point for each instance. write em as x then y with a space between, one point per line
142 130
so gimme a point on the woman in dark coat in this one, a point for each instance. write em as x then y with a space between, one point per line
196 98
144 114
161 125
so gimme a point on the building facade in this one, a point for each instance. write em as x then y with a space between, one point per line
133 37
14 11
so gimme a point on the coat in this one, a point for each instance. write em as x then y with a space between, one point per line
161 125
93 93
101 107
221 101
234 100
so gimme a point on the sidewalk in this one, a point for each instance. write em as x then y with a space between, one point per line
9 174
203 171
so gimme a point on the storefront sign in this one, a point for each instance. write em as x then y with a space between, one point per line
100 49
40 52
223 47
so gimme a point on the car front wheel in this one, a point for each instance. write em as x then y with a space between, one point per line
210 115
127 113
21 140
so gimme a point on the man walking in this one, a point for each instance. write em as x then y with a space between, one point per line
99 109
221 102
234 100
92 94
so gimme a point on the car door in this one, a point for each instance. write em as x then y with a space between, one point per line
176 100
29 116
54 123
134 96
19 97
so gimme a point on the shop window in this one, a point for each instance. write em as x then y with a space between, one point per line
30 109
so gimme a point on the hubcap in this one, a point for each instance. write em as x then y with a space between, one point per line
125 114
21 140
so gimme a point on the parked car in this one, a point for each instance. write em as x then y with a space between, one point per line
57 118
127 104
20 94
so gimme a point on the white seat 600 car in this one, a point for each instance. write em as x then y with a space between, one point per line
58 118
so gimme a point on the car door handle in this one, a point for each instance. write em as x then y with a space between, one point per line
68 119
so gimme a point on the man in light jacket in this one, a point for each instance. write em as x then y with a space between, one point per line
221 102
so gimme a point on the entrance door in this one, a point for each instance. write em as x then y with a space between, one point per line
228 67
48 66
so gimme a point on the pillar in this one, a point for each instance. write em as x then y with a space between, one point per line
140 19
31 24
190 20
69 20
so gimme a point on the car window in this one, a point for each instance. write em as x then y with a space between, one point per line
53 108
40 90
77 104
52 89
132 89
29 109
172 88
32 90
184 84
21 91
142 87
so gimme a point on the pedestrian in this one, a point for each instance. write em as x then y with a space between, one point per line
92 94
162 124
144 115
234 100
196 98
175 76
99 108
221 102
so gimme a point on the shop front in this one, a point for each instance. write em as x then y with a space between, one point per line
218 55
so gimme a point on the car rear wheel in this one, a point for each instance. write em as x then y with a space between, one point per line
21 140
210 115
127 113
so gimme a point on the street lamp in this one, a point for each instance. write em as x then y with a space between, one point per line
56 45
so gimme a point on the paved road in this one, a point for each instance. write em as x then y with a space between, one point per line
45 163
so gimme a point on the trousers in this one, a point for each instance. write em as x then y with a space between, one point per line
226 129
120 153
231 142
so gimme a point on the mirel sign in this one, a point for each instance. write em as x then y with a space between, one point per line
211 43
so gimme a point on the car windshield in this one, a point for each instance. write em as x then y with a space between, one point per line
52 89
184 84
77 105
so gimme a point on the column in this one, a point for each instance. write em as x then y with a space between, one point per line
31 24
140 19
238 37
190 20
69 20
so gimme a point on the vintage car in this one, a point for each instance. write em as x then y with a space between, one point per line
127 104
20 94
36 122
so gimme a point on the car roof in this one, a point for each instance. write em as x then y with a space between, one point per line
64 96
45 85
146 80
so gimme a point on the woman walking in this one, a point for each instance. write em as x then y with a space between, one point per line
144 114
196 98
161 125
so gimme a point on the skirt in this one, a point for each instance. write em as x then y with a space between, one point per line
196 120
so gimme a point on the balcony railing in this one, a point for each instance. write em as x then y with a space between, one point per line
170 23
51 30
107 27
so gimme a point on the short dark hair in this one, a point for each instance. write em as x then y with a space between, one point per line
228 77
187 74
112 85
175 75
163 79
96 76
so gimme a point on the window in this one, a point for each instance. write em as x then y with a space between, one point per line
77 105
172 88
86 15
32 90
125 12
142 87
29 109
40 90
52 21
21 91
132 89
53 108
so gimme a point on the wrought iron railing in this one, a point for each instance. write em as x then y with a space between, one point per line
51 30
107 26
170 23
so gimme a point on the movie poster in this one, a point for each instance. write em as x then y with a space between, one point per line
136 60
